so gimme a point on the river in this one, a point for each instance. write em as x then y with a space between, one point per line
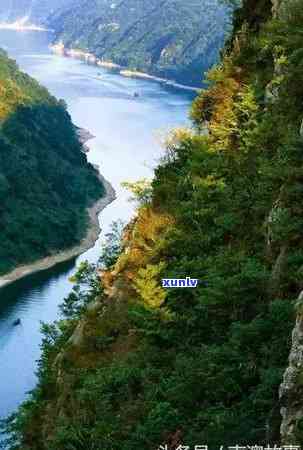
126 146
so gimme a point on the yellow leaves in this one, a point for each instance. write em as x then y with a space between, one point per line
246 103
176 136
18 89
146 238
141 190
174 140
233 115
210 182
11 96
219 73
216 106
228 106
151 224
148 285
142 248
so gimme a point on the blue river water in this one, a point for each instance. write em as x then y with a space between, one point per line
127 145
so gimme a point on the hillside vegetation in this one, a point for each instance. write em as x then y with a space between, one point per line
45 180
131 366
175 39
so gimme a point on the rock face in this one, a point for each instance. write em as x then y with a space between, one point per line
291 390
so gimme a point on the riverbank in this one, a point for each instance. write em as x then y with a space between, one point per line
163 81
84 136
90 58
66 255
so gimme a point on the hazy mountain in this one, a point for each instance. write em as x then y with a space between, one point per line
170 38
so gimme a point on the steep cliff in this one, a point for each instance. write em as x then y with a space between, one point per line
133 365
291 394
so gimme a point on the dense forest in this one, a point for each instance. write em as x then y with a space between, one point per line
175 39
46 183
133 366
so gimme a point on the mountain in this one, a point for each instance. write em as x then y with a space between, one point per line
133 365
46 183
144 35
175 39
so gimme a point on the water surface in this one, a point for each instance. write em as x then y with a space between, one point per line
126 147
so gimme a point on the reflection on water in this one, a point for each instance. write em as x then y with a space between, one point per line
126 147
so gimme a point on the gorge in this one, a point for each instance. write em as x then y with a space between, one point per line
95 103
131 365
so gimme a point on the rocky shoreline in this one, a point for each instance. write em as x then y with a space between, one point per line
84 136
90 58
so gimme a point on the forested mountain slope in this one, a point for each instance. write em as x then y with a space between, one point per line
45 180
133 365
175 39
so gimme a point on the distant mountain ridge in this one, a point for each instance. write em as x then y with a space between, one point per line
174 39
168 38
